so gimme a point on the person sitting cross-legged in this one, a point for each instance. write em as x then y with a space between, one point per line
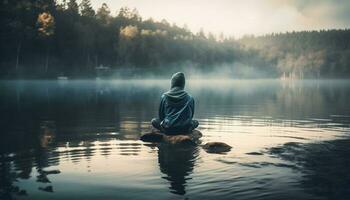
176 109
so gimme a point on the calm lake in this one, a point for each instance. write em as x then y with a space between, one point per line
79 140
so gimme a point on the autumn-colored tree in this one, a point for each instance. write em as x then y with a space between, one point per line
46 29
74 40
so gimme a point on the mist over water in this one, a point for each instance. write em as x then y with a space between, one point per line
225 71
290 140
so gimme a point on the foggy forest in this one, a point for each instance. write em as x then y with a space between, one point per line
43 39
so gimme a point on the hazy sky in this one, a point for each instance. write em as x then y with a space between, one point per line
239 17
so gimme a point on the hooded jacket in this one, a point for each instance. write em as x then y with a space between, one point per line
176 107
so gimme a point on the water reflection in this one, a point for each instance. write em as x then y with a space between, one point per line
88 131
177 163
24 156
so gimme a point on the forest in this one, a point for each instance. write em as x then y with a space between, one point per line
43 39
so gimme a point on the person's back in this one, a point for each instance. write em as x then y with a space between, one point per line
176 109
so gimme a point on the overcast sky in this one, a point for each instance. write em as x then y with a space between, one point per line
239 17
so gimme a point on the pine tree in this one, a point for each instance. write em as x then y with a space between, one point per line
86 9
103 13
73 8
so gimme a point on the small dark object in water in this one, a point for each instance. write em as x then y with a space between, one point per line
152 137
157 136
216 147
255 153
43 178
46 189
56 171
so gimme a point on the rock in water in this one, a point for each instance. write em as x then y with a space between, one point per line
46 189
181 138
216 147
42 178
56 171
195 135
152 137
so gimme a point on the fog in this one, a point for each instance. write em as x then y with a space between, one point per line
191 70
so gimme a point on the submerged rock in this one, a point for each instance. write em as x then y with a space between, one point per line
156 136
216 147
46 189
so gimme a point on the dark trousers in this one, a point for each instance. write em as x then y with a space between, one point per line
156 123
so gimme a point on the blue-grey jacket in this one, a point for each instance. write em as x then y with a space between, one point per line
176 110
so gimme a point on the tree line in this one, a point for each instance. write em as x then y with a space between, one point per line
45 39
305 54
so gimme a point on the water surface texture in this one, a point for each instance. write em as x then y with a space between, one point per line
79 140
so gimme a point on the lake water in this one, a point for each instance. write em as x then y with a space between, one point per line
290 141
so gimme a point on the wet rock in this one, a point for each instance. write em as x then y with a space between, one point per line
152 137
195 135
181 138
216 147
42 178
48 172
46 189
255 153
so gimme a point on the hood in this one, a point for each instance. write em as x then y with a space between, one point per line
178 80
176 94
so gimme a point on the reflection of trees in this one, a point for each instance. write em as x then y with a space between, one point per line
88 150
27 151
297 100
7 179
177 164
289 99
78 107
24 167
308 98
41 152
125 107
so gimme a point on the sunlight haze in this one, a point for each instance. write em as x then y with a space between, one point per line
233 17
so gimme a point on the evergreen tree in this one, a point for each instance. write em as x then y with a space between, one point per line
86 9
73 8
74 43
103 14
